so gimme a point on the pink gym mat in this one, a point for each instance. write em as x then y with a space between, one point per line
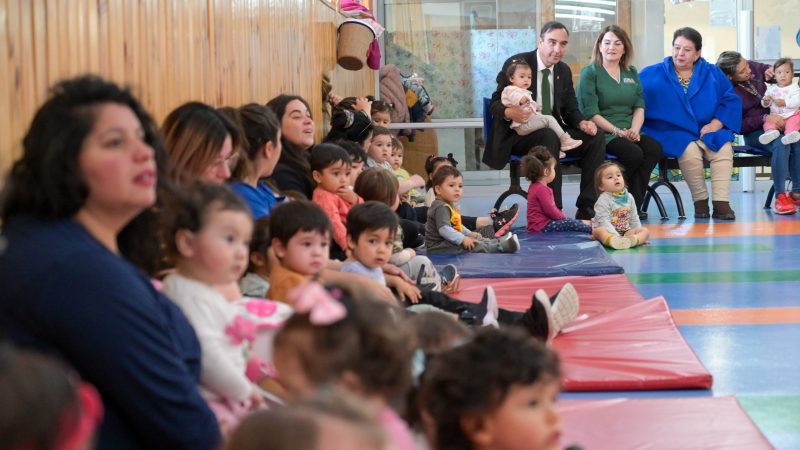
598 294
659 424
637 347
618 343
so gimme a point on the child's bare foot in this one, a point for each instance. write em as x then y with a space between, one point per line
567 143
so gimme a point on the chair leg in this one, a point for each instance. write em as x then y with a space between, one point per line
675 194
514 189
651 193
768 203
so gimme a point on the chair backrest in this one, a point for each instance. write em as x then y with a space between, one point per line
487 118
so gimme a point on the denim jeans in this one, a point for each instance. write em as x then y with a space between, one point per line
780 160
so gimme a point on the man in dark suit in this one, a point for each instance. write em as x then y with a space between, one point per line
561 103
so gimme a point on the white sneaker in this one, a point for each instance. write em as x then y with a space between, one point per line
790 138
492 310
509 244
565 305
769 136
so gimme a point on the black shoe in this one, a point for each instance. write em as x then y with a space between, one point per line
642 215
585 213
502 220
536 320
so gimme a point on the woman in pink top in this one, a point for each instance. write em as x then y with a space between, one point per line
543 214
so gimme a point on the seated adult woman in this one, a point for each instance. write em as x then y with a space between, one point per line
201 143
610 95
292 175
260 153
693 111
748 79
89 168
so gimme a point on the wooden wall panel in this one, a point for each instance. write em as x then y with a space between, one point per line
223 52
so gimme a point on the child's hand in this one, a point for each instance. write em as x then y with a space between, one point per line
417 180
348 195
411 252
364 105
408 291
475 234
468 243
779 102
524 101
766 101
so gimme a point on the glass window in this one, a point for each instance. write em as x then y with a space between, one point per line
777 30
457 47
715 20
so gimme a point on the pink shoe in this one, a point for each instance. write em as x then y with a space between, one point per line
567 143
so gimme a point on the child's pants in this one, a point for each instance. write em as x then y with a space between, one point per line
484 245
567 225
792 124
721 162
537 122
430 274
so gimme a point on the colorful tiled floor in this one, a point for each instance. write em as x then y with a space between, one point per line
734 289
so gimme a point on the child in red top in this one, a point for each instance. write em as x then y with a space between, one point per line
539 167
330 167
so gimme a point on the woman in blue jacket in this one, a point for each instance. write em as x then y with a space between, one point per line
89 171
694 112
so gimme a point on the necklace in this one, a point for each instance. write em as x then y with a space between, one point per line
749 88
684 81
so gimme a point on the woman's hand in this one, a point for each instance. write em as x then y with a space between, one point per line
777 120
714 125
633 135
588 127
517 114
363 105
769 73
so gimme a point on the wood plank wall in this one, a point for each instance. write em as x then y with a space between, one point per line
223 52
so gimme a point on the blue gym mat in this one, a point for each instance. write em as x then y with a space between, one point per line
540 255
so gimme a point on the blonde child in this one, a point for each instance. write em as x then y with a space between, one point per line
262 132
615 223
301 234
207 238
539 167
381 186
327 420
334 341
445 231
517 93
496 224
783 99
330 168
413 196
495 391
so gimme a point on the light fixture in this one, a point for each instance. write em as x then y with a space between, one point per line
586 9
578 16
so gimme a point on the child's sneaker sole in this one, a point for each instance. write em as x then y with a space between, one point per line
564 309
768 136
507 225
619 243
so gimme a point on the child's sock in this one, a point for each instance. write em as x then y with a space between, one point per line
634 240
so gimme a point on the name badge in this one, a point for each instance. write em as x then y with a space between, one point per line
628 80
